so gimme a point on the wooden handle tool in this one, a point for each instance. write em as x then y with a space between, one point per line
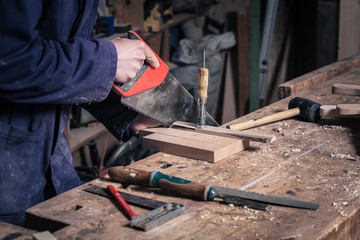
203 79
307 110
265 120
158 179
206 193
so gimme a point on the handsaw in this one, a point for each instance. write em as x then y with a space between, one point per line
156 94
206 193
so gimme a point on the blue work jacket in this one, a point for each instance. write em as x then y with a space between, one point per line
49 60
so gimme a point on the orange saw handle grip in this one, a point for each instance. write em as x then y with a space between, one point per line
146 78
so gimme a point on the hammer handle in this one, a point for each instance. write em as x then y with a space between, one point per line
158 179
265 120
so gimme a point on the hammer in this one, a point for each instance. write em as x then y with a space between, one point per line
307 110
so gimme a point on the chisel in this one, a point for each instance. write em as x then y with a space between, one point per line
200 191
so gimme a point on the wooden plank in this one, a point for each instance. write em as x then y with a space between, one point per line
340 111
45 235
194 145
10 231
249 136
346 89
196 136
318 76
348 109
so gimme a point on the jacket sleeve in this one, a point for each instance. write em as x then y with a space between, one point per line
38 70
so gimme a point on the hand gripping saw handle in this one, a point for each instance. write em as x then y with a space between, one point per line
146 78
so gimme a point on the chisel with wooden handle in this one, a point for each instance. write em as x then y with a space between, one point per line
207 193
203 79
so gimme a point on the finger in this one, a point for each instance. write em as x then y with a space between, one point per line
151 58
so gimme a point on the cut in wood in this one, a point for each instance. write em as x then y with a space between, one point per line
255 137
191 144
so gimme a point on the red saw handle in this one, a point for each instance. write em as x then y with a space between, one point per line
146 78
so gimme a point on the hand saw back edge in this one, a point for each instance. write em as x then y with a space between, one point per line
149 78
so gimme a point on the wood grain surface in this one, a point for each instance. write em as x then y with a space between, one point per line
318 76
192 144
316 162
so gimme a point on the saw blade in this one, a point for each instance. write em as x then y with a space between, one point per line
224 193
167 103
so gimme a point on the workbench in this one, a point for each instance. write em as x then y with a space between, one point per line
314 162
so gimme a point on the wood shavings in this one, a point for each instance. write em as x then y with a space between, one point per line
297 236
351 158
341 155
339 207
332 127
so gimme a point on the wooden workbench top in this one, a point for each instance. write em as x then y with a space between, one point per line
315 162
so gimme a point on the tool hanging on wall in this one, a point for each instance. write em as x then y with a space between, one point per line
206 193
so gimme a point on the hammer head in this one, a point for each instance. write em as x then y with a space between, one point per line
309 110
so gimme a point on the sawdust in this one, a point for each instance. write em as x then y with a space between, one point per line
332 127
335 154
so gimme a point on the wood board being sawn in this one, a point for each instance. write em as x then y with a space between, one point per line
192 144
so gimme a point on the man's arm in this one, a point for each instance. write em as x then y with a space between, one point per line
38 70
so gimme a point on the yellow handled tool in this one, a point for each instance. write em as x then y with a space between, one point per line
203 78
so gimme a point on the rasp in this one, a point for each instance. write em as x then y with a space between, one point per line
207 193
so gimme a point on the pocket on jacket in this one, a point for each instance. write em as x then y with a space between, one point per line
21 164
18 148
